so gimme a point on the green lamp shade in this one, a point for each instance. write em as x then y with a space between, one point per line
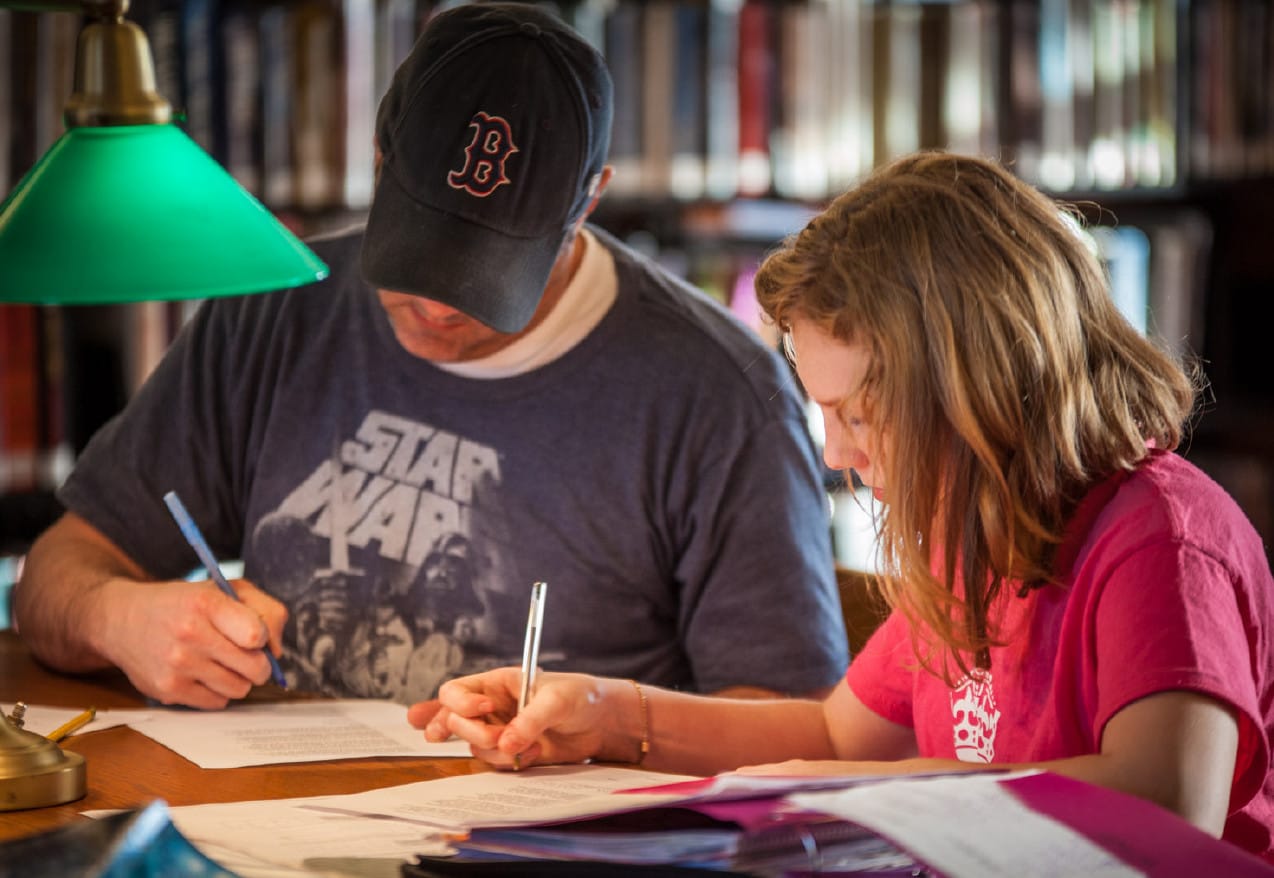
139 212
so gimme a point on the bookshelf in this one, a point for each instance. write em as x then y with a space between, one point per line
735 120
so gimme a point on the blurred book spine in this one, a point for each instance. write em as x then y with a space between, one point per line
20 414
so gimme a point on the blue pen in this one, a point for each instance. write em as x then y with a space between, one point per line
193 536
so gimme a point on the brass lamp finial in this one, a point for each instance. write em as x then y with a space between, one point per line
114 72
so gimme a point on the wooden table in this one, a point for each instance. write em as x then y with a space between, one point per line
126 769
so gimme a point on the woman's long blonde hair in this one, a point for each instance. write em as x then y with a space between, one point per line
1003 378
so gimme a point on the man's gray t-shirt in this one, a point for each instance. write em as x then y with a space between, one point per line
658 476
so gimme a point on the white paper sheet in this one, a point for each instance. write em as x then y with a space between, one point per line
42 720
270 839
292 731
371 834
969 827
253 838
493 798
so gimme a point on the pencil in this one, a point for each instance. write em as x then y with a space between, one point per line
194 536
72 725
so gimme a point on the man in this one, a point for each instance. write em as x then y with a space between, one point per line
483 394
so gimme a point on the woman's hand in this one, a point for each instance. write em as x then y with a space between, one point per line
570 718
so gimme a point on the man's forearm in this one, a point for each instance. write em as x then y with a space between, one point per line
56 603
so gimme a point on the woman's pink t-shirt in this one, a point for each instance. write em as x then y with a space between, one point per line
1167 587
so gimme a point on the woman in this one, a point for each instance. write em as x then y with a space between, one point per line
1067 593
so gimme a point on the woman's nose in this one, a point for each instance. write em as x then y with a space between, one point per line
839 450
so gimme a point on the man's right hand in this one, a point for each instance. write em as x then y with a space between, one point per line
82 605
188 643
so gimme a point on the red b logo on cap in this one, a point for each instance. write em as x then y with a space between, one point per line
485 156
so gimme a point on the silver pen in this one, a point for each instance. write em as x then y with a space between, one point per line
531 649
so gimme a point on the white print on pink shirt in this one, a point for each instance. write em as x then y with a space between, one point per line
974 717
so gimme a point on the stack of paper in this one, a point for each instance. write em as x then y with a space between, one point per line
983 825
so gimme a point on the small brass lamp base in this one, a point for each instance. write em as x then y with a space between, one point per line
35 772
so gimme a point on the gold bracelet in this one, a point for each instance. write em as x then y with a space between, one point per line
645 723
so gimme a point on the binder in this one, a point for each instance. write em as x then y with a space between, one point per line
728 824
960 825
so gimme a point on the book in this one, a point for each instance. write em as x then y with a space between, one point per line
21 95
1125 252
161 21
1260 101
202 94
901 65
37 88
1059 51
756 74
55 67
721 138
1023 100
357 100
1163 119
878 78
687 167
970 114
397 26
7 109
799 142
849 124
1180 247
1110 113
932 59
1139 82
1221 78
1205 89
278 103
317 136
624 58
658 90
240 33
55 456
588 19
20 414
1081 99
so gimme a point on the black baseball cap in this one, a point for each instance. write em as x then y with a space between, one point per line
493 135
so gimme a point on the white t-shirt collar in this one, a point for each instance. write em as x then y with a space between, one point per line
587 298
